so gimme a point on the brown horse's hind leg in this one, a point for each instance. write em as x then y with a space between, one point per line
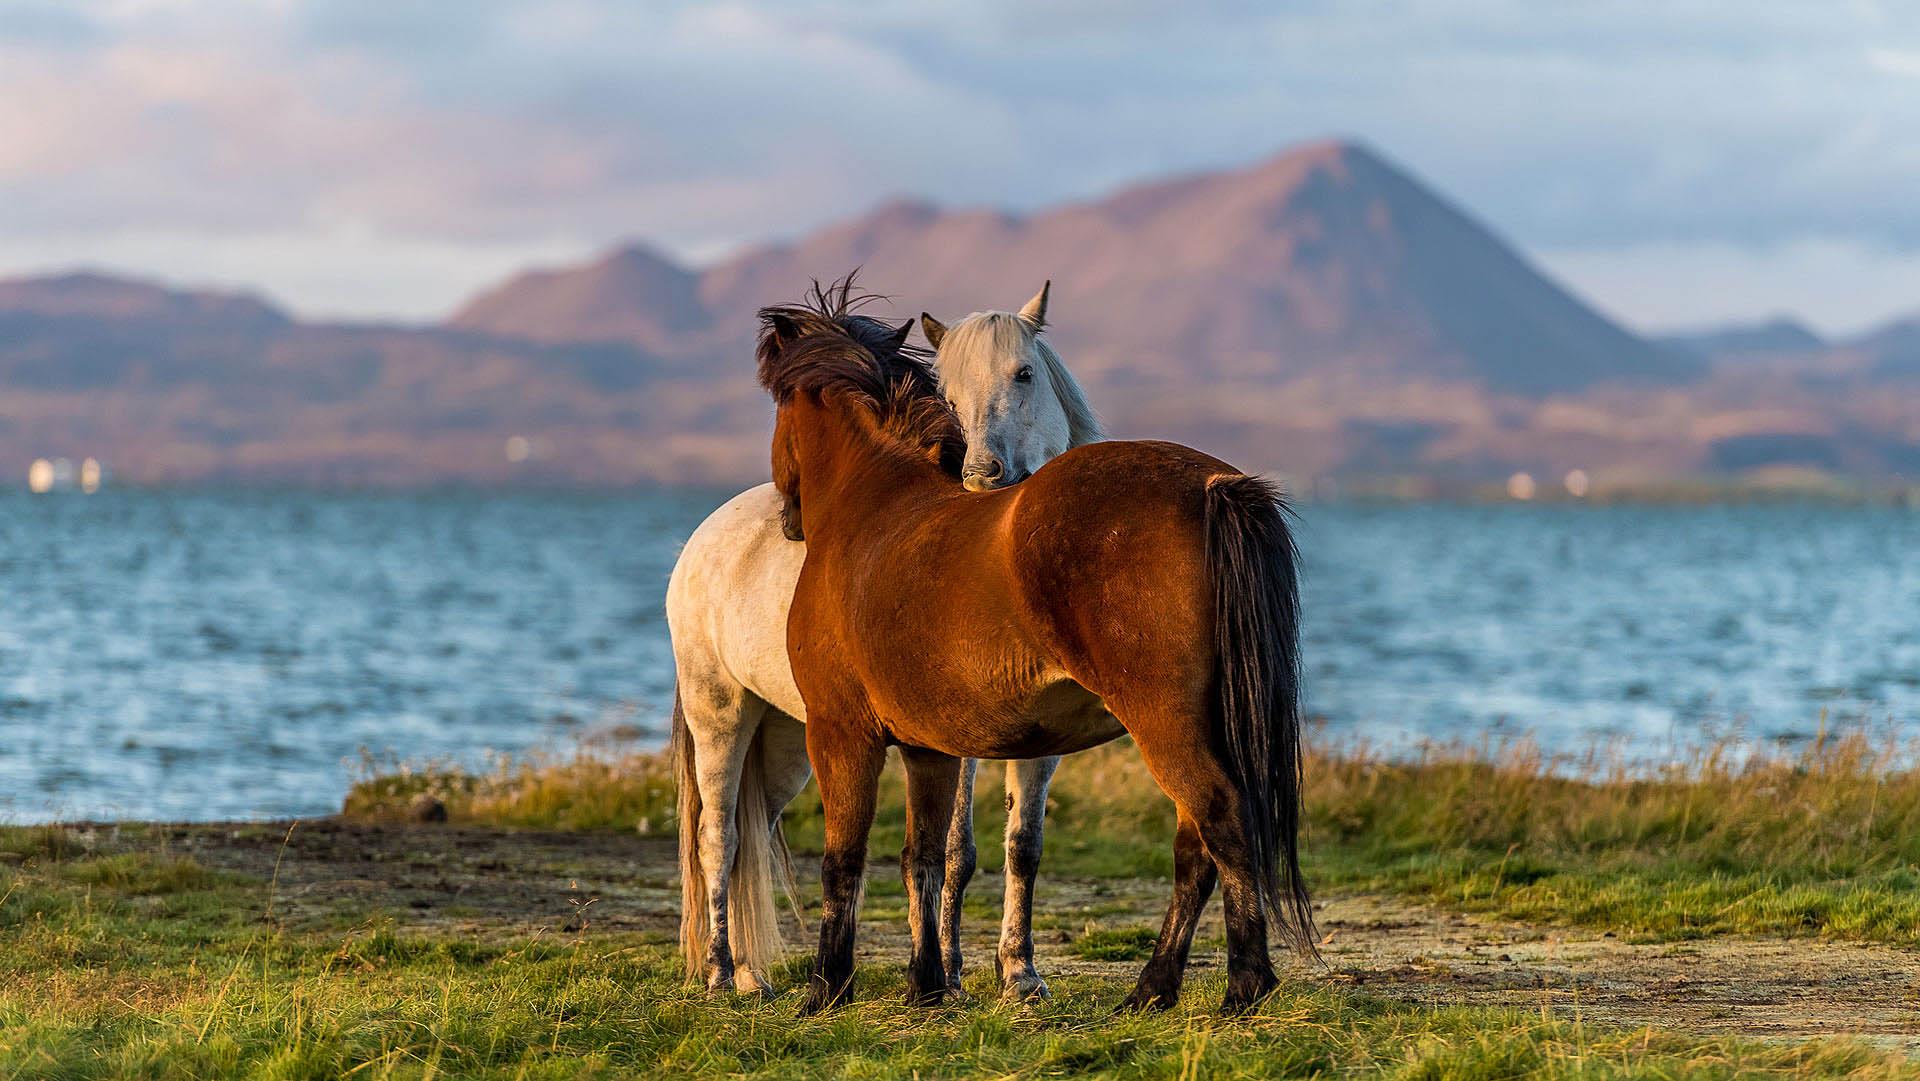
1250 975
847 766
1193 880
1198 785
932 780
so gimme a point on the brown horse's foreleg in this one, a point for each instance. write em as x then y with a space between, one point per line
848 768
1027 783
932 780
1193 880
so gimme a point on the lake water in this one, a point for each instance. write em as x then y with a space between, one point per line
203 656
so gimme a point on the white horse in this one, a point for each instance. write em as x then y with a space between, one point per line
738 744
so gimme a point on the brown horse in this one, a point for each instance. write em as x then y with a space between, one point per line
1125 588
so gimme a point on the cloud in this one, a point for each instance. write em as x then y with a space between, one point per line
1902 62
505 128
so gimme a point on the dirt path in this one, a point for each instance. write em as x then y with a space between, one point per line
456 877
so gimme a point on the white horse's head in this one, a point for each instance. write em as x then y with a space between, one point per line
1017 401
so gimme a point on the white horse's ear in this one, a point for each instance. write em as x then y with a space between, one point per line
1035 313
934 329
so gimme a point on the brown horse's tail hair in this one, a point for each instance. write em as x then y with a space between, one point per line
1257 631
753 913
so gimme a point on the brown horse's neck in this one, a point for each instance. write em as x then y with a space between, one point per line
851 470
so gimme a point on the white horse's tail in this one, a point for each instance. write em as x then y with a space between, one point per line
753 913
693 877
753 921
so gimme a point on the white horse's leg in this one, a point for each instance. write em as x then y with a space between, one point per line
1027 783
721 718
961 858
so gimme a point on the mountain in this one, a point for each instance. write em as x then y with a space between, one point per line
1323 259
1320 314
169 385
632 294
1892 350
95 296
1776 337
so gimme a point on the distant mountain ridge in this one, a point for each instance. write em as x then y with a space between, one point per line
1325 256
1782 335
632 294
95 295
1320 313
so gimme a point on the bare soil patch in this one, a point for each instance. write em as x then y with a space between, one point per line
455 878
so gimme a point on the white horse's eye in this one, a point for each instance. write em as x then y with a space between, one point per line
1024 375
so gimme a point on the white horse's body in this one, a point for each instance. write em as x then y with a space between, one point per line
726 581
740 745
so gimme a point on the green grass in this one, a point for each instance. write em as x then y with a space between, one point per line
1116 944
1825 842
144 965
1822 842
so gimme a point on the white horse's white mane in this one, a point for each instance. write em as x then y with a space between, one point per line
982 336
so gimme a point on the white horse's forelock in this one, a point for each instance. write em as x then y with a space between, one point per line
979 338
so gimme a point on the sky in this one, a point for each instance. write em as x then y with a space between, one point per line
1677 163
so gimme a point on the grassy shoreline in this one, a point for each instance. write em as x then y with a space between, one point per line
1824 841
218 951
134 956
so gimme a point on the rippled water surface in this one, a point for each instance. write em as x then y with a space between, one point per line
194 655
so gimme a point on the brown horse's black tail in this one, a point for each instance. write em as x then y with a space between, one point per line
1257 631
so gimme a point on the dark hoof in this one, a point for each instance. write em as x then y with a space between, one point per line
1026 987
1147 1002
817 1003
925 996
820 999
1245 994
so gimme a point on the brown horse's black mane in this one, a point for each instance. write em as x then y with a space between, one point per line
821 347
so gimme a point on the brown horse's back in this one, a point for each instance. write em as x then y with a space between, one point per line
1108 542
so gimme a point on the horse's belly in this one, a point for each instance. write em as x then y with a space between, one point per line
1074 732
1060 718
